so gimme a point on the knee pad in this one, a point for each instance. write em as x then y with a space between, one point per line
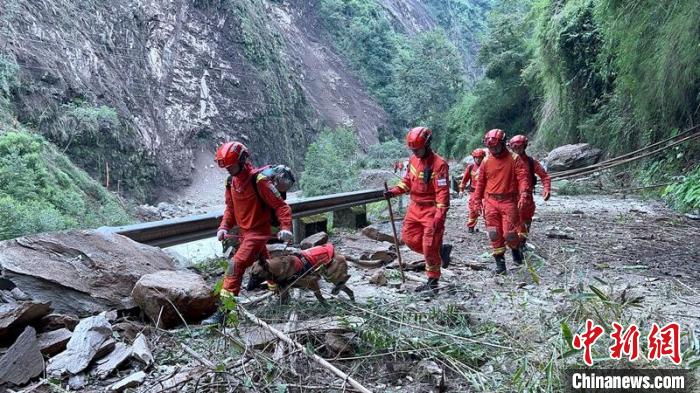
511 237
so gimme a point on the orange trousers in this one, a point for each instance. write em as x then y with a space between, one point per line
473 213
526 213
252 246
502 224
419 236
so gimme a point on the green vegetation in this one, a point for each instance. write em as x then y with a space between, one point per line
41 190
384 155
415 78
685 195
8 81
331 163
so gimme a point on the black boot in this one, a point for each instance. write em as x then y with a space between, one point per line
517 256
445 251
470 230
500 264
431 285
217 318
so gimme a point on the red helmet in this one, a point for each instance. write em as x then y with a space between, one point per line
231 153
478 153
494 137
518 140
418 138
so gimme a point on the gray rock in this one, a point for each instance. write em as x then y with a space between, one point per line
131 381
186 291
80 272
429 371
378 278
53 342
77 381
88 337
572 156
314 240
141 351
58 321
383 232
15 316
109 363
22 361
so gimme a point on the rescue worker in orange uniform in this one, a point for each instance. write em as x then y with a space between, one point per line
427 182
518 144
251 197
470 176
502 188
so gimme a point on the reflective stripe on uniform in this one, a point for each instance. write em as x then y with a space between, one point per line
499 251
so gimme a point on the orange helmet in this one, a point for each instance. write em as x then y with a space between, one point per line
518 140
494 137
478 153
231 153
419 137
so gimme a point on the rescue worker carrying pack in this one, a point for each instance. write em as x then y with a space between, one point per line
427 182
252 200
470 177
503 187
518 144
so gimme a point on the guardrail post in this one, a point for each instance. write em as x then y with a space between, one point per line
298 229
354 217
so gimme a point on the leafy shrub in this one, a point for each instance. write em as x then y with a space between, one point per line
41 190
384 155
685 195
331 163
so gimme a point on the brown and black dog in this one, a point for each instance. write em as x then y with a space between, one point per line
303 270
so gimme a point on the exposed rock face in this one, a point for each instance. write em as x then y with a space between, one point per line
186 291
572 156
79 272
178 73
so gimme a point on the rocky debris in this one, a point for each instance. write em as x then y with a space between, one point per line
22 361
383 232
58 321
88 337
338 344
560 233
141 351
429 371
129 330
15 316
361 249
378 278
178 294
572 156
314 240
412 265
53 342
114 359
77 381
79 272
105 348
132 381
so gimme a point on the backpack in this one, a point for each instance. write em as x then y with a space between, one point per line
274 220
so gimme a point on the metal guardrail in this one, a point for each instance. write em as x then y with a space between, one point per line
167 233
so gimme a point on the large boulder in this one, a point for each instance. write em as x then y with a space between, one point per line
187 292
80 272
14 317
572 156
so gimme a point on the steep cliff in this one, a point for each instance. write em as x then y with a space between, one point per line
136 86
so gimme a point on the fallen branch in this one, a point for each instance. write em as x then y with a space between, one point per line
323 362
198 356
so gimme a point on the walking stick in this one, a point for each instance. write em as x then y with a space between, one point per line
396 238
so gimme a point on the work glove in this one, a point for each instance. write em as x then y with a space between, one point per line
388 194
545 195
439 220
522 202
220 234
285 235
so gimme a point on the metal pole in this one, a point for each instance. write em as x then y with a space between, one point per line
396 238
